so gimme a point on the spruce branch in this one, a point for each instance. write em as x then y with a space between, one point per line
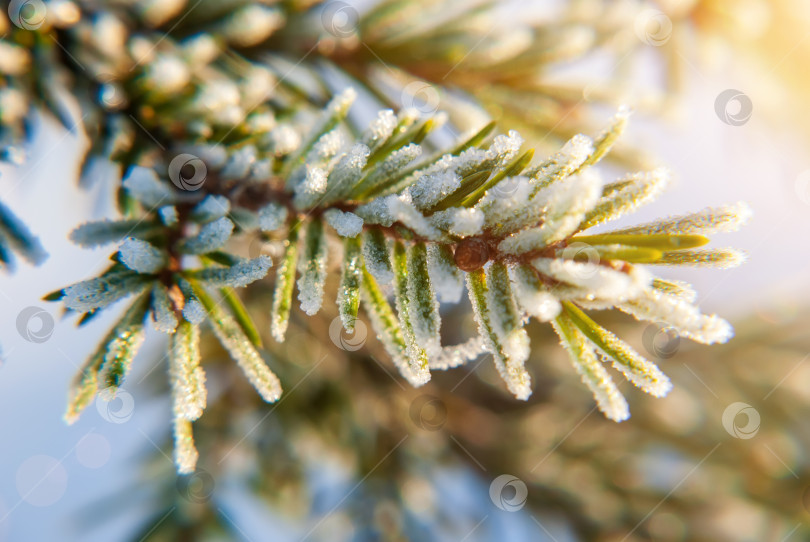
222 139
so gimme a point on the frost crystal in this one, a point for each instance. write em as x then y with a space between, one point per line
143 185
532 295
239 163
211 237
685 318
187 376
564 163
389 167
459 221
185 453
430 189
719 258
141 256
403 211
626 195
240 348
423 306
309 192
211 208
272 216
168 215
377 256
284 139
93 234
163 310
346 173
595 280
239 274
380 129
608 398
345 223
445 275
415 351
710 220
325 148
566 205
635 368
504 148
455 356
193 311
312 267
497 321
101 291
378 211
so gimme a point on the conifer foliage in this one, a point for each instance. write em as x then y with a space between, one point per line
219 134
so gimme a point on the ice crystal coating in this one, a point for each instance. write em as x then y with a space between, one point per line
141 256
312 266
145 186
101 291
211 208
93 234
346 224
211 237
240 274
446 278
272 216
163 309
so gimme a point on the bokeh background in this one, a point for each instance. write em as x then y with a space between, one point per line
353 453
